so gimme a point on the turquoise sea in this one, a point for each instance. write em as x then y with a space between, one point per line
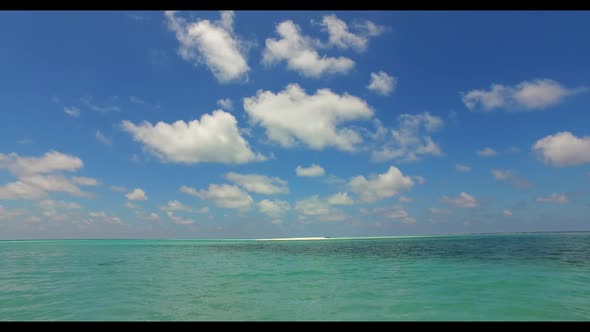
535 276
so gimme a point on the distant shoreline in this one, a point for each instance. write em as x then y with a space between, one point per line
316 238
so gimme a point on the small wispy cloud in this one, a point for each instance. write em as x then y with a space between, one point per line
103 139
72 111
110 107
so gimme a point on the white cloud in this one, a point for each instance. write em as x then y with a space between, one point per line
292 116
85 181
381 186
311 171
273 208
438 211
211 43
175 206
563 149
21 190
513 149
341 37
411 139
49 204
464 200
137 100
507 213
35 186
300 54
103 139
131 205
226 104
118 188
382 83
72 111
462 168
259 184
6 214
227 196
179 220
314 207
204 209
487 152
102 109
395 212
50 162
502 174
537 94
148 217
508 175
340 198
102 216
404 199
136 195
554 198
189 191
215 138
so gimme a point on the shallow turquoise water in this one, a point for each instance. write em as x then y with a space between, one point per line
476 277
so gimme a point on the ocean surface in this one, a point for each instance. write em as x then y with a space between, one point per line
537 276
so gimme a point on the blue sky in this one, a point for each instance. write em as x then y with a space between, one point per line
283 124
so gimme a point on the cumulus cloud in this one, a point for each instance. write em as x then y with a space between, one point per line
189 191
563 149
462 168
381 186
300 53
213 43
72 111
179 220
227 196
508 175
35 175
404 199
84 181
554 198
487 152
136 195
50 162
273 208
7 214
48 204
131 205
341 37
531 95
311 171
293 116
507 213
259 184
215 138
411 138
226 104
103 139
382 83
104 217
175 206
464 200
315 208
341 198
395 212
